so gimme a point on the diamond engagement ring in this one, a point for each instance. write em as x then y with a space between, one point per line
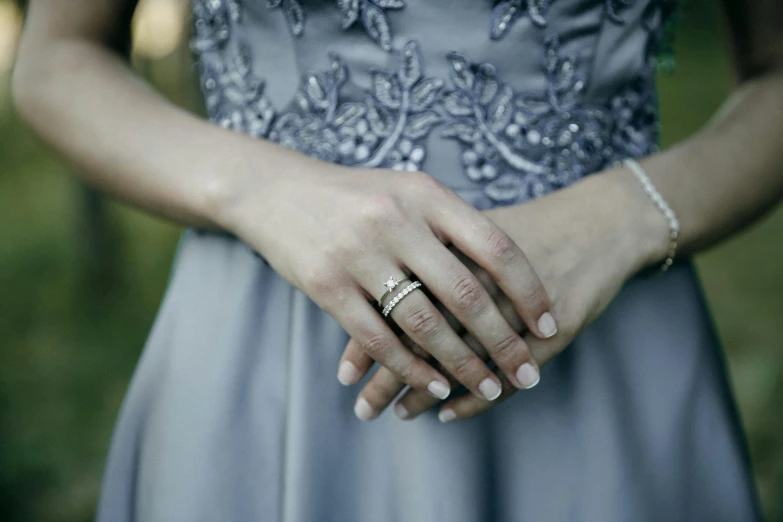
399 297
390 285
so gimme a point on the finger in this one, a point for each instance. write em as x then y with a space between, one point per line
467 406
384 386
378 393
354 363
377 339
464 296
482 240
425 325
413 403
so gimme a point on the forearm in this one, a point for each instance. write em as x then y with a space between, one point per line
126 140
717 182
731 172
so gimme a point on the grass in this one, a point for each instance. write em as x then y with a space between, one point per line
69 338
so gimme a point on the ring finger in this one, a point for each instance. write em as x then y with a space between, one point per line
420 319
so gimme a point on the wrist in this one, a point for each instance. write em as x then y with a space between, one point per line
642 230
243 196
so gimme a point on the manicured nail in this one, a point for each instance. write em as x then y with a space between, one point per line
447 415
363 410
438 389
347 373
528 376
546 323
401 411
489 389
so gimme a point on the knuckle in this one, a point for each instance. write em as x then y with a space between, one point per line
423 322
382 210
408 371
536 295
501 246
376 345
462 366
469 294
507 347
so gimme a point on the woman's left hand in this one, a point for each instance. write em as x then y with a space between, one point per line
584 241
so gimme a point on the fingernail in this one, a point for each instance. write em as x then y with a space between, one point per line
489 389
401 411
447 415
363 410
438 389
347 373
546 323
528 376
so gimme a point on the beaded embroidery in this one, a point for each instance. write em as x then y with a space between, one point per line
369 13
516 145
384 130
523 145
506 12
233 94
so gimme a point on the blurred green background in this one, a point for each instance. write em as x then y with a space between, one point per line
81 278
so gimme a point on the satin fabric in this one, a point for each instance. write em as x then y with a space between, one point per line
234 412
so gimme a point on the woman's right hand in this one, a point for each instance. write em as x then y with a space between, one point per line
337 233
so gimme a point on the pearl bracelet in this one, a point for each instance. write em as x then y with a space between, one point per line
666 210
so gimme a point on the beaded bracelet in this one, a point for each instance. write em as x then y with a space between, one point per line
666 210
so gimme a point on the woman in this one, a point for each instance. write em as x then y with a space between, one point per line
440 144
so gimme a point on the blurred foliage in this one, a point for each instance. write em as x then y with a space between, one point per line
71 329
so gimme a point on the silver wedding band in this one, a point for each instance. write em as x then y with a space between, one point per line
399 297
390 285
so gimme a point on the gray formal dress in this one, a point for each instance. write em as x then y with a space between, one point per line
234 412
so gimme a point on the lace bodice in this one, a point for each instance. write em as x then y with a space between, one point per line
513 98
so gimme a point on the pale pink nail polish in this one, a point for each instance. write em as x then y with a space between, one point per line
547 325
347 373
363 410
401 411
447 415
438 389
489 389
528 375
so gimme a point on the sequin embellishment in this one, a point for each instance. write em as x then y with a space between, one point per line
514 145
370 14
383 130
506 12
233 94
524 145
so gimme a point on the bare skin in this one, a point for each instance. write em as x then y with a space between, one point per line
73 86
601 231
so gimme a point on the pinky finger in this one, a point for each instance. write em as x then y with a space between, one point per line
354 364
468 405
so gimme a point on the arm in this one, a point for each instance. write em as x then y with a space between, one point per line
75 89
726 176
604 229
73 86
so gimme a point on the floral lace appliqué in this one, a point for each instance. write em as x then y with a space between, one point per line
523 145
515 145
233 94
369 13
384 130
506 12
614 9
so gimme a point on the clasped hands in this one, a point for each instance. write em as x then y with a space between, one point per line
504 290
